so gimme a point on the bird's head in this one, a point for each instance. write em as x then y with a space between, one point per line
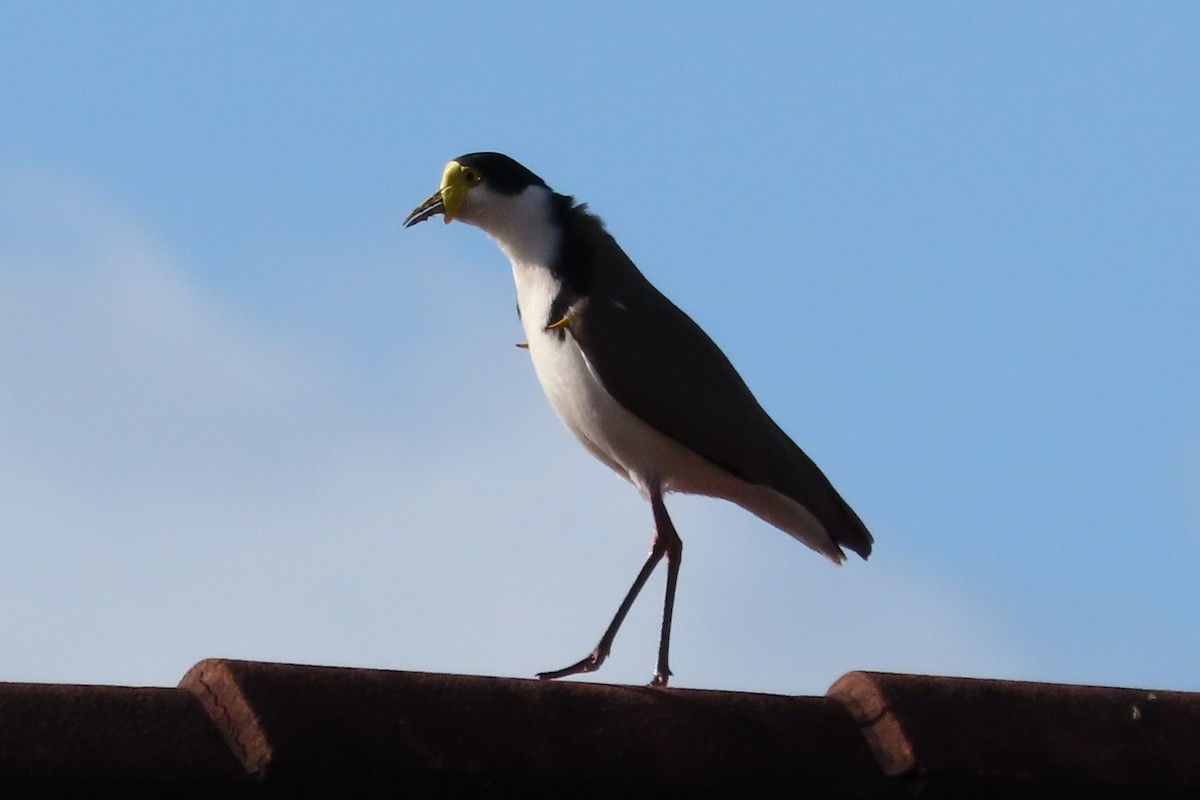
479 188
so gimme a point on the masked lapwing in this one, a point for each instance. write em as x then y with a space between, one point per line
637 382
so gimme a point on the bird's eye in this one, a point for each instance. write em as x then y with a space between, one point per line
472 176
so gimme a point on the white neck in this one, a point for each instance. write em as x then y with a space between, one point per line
521 225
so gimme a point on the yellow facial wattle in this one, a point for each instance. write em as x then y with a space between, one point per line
456 180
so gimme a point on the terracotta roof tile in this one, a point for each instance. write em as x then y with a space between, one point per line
112 735
296 724
961 732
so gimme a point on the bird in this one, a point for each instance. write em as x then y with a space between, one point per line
639 384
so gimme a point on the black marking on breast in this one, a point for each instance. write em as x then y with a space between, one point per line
575 264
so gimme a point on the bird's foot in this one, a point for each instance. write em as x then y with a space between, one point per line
589 663
661 676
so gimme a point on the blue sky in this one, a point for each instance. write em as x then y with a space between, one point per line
953 248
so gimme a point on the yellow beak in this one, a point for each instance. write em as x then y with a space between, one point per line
447 200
